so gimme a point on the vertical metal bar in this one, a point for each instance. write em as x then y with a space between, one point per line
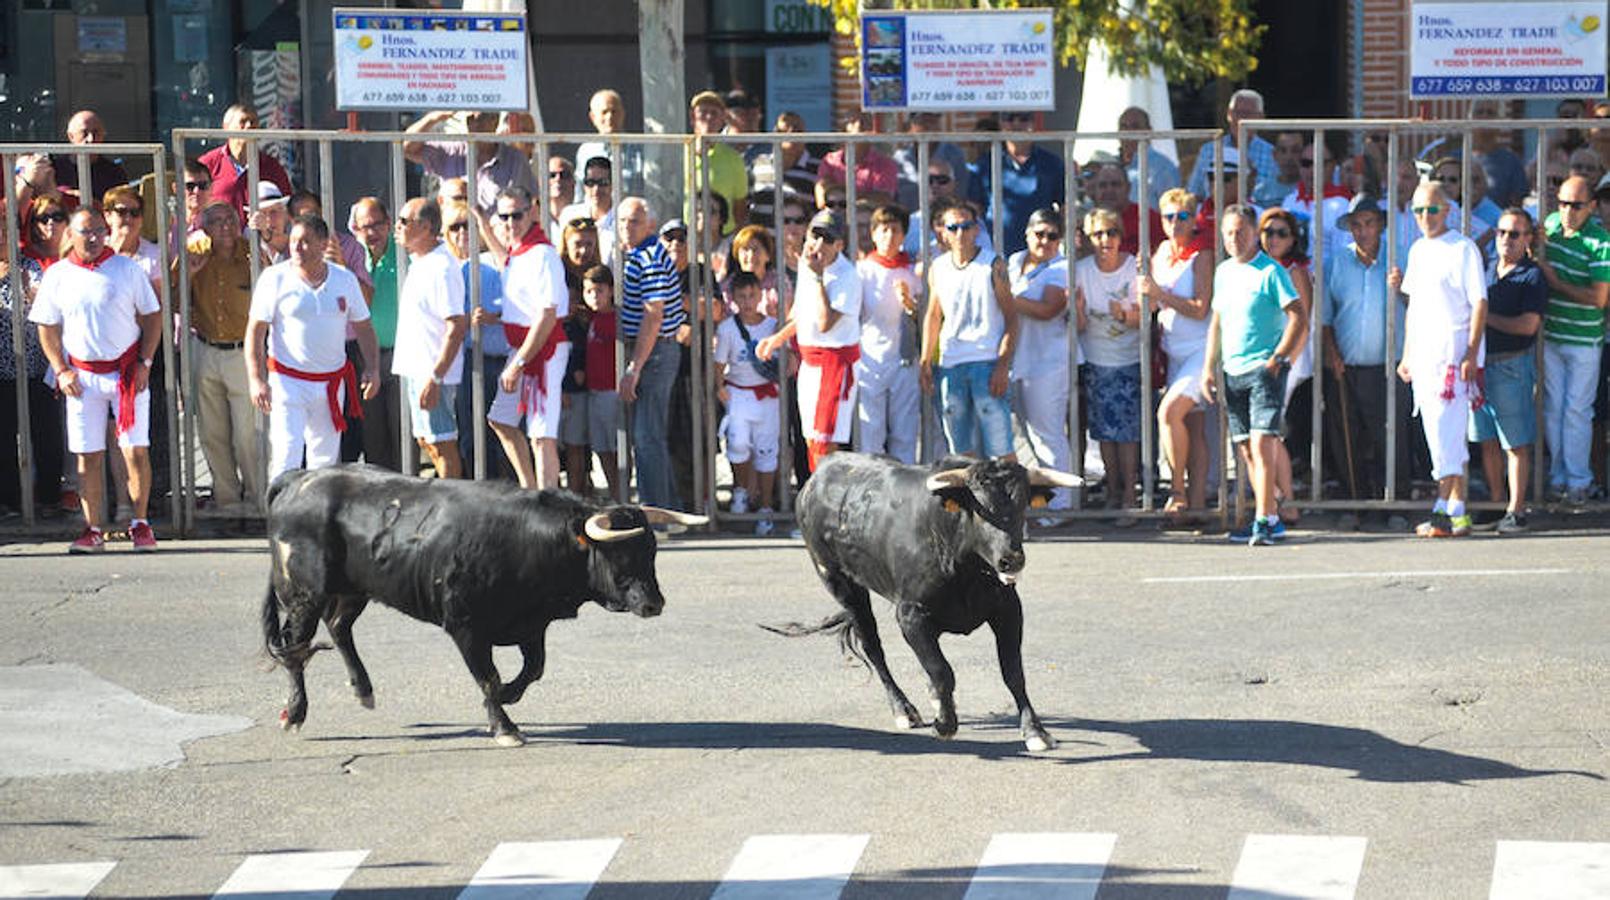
405 421
326 178
1143 266
785 304
1393 202
1316 447
177 233
623 469
1224 417
256 241
1070 226
545 214
1467 219
997 223
472 228
19 345
921 221
699 345
852 245
169 350
86 188
1538 472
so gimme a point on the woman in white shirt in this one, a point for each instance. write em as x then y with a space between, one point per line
1180 289
1109 331
1040 369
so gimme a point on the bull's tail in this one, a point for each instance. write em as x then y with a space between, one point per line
839 625
280 653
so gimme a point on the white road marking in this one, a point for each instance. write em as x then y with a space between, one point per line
1555 871
792 867
546 870
1041 867
1340 576
292 876
1290 866
64 880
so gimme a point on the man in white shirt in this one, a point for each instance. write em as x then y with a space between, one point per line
300 312
826 317
535 301
430 334
1443 348
99 325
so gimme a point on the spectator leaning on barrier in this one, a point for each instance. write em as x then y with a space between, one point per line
1106 301
1259 154
220 305
100 326
1256 327
1575 259
1032 178
431 324
651 312
1040 368
1506 425
85 128
499 165
44 409
888 403
753 421
1161 172
301 311
1443 350
228 163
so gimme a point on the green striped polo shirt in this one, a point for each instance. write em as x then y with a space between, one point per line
1581 259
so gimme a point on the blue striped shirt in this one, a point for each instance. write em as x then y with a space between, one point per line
650 277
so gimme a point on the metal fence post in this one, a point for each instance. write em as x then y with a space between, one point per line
1143 266
19 345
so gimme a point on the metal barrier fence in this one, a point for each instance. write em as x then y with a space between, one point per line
9 156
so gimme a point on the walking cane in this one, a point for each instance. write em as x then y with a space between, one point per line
1347 435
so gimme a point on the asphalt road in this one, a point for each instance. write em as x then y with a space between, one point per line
1360 716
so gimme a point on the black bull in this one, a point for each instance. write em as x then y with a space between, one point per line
945 545
490 565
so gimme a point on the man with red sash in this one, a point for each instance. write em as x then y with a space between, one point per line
535 301
99 325
826 320
300 312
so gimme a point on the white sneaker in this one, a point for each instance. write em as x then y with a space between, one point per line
764 527
740 500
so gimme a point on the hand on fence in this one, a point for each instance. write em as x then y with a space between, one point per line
1394 279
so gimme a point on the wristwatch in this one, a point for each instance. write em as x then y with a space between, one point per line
1282 360
146 361
435 379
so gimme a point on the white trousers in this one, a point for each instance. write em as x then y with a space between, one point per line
888 409
88 414
808 383
1043 407
753 432
541 418
299 420
1445 423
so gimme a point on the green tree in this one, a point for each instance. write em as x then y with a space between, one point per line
1189 40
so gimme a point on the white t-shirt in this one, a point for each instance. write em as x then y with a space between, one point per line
1042 343
885 332
433 291
732 352
308 325
98 308
149 259
843 296
1445 281
1106 341
1183 336
973 325
532 282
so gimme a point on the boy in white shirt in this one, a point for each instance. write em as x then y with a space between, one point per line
749 391
889 400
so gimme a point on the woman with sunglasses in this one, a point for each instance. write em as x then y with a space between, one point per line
1180 288
1040 368
44 409
44 234
1278 233
1108 314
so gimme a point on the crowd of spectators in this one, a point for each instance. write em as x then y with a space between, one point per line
836 298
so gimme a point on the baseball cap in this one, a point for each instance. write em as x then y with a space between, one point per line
1360 201
740 99
830 223
673 225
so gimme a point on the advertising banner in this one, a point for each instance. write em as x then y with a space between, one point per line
1514 48
990 60
397 60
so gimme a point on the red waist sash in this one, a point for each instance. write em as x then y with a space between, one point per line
761 391
838 377
346 375
533 391
124 367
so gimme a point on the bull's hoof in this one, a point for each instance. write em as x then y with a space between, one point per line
1039 743
507 697
367 701
907 721
508 739
945 729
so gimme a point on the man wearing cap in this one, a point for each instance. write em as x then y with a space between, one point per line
99 326
1443 350
743 117
723 166
301 309
229 162
220 303
1356 352
650 314
826 322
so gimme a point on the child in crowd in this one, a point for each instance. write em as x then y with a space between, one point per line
602 404
574 396
888 405
748 388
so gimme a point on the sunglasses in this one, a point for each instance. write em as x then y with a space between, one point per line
1105 233
1575 204
938 179
1230 176
1306 163
56 216
1425 210
511 216
1046 235
955 227
582 224
562 175
459 226
1446 179
795 220
99 231
675 236
1513 233
1181 216
193 186
127 212
1277 232
595 182
837 204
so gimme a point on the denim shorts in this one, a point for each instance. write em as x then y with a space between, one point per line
1509 414
440 422
1114 396
971 413
1253 402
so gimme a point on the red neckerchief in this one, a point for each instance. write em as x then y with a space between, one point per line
106 254
534 237
1305 191
1175 256
45 262
898 261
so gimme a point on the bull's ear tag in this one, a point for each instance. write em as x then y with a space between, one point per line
952 506
581 541
1038 501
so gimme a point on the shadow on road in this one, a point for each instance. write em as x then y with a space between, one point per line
1370 756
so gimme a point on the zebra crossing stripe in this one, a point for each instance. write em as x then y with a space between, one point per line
1556 871
546 870
1042 867
792 867
61 881
1290 866
292 876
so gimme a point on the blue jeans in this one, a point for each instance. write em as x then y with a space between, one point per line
1570 378
971 413
655 485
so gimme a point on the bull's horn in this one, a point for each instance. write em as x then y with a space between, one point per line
949 478
597 529
657 516
1053 478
